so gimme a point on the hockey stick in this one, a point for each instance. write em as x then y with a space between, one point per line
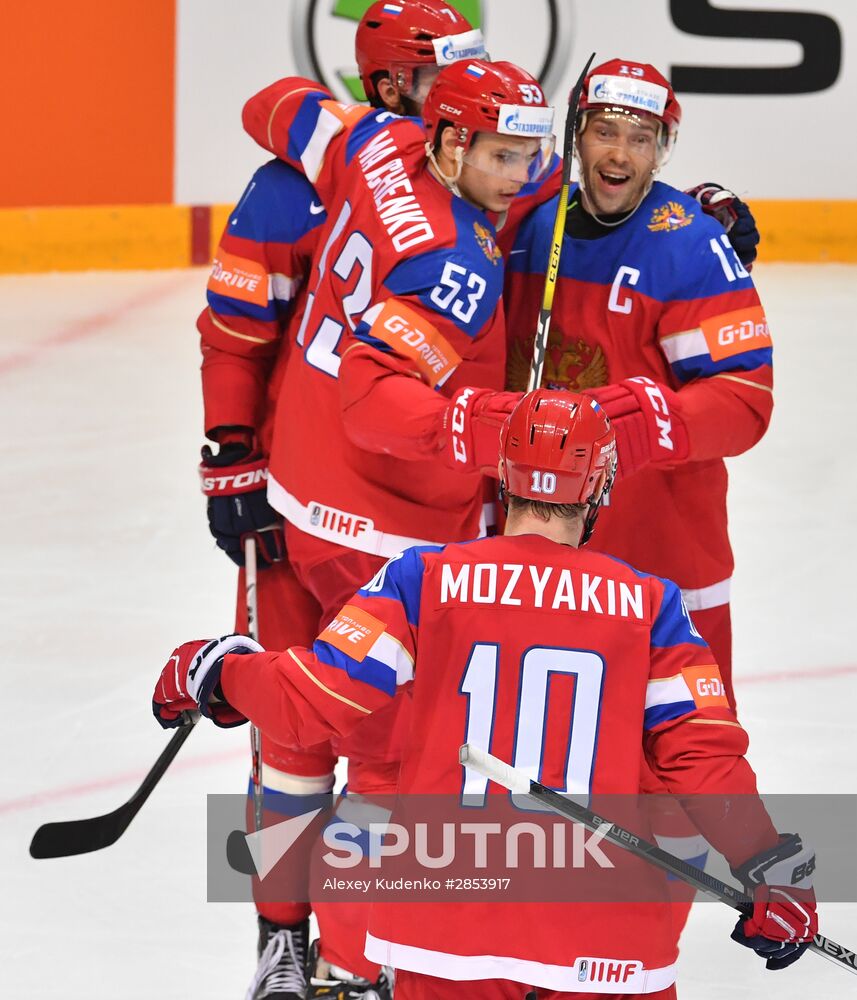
80 836
503 774
253 629
540 344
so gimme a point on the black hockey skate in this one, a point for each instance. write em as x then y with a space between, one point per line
325 980
281 974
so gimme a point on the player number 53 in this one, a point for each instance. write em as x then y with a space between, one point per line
447 295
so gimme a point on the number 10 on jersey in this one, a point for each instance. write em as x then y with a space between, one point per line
537 666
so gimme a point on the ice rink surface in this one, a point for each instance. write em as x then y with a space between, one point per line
107 565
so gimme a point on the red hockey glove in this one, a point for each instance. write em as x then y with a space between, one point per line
471 425
735 217
235 482
784 919
191 675
647 428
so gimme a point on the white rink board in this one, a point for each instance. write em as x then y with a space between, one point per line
108 565
762 146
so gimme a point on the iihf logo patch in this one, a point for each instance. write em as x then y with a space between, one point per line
315 515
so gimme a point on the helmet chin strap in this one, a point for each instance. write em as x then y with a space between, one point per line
594 503
451 181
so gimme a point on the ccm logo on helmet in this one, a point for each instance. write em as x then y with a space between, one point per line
459 414
662 411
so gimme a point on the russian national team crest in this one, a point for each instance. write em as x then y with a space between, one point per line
669 217
323 38
485 239
570 363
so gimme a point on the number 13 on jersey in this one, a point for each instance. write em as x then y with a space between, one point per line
537 667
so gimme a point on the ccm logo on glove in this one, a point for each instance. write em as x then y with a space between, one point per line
459 413
662 411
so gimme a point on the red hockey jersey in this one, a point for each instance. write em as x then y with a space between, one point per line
483 634
256 282
662 295
278 118
403 309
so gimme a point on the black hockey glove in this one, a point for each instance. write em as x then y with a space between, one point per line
235 482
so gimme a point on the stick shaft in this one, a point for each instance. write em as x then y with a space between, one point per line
540 344
253 629
503 774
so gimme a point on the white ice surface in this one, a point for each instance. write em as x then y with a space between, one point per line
107 564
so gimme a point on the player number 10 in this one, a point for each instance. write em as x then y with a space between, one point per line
538 665
543 482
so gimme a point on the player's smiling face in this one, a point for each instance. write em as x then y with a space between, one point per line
618 154
495 169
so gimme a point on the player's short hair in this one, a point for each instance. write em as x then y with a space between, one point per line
544 510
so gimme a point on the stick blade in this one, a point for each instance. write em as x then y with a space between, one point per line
77 836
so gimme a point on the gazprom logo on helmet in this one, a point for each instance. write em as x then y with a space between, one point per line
467 45
516 119
322 38
641 94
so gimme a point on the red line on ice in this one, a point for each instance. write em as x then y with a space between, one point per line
133 778
820 673
88 326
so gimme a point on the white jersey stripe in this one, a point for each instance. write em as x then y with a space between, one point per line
708 597
465 968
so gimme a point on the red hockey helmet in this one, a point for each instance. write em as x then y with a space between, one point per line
396 37
632 88
558 447
480 96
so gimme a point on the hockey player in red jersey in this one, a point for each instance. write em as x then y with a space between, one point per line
401 48
401 365
473 632
257 284
656 318
409 262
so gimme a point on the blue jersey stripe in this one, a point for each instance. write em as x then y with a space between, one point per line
368 671
702 366
365 130
401 579
673 627
303 125
365 337
657 714
225 306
